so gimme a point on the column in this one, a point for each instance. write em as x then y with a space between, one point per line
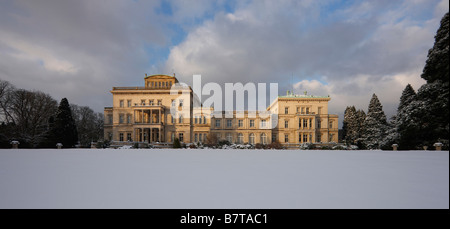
151 139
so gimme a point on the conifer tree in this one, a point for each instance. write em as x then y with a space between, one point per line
375 125
63 129
429 112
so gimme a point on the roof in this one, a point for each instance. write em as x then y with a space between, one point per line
160 76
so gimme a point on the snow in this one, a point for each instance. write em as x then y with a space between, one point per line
208 178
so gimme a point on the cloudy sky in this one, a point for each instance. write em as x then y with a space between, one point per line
349 50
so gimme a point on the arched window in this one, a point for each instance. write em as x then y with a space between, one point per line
240 138
263 139
251 138
229 137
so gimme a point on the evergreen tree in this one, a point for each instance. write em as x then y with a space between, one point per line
360 117
429 112
375 125
63 129
404 125
350 125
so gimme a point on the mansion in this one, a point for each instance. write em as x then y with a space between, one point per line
154 114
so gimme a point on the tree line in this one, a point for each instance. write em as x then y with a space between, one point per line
422 116
36 120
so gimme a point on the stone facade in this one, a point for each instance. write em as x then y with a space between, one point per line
143 114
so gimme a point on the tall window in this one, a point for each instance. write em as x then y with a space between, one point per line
298 109
180 137
128 118
319 138
263 123
200 137
286 138
274 137
240 123
172 119
252 123
286 110
120 118
159 102
310 123
121 103
251 138
305 138
307 110
180 119
129 103
303 110
263 138
240 138
181 102
204 120
286 124
318 124
229 123
305 123
129 137
229 137
121 137
195 120
299 123
195 137
217 122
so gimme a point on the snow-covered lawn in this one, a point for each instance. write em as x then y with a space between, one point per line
155 178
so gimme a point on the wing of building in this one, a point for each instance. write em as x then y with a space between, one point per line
163 110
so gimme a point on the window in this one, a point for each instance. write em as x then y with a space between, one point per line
181 102
129 137
229 137
331 138
251 138
252 123
121 137
331 124
286 110
143 102
121 103
153 85
180 137
300 138
263 139
204 120
128 118
319 138
217 122
195 120
310 138
286 124
120 118
180 119
240 123
110 119
240 138
159 102
307 110
305 123
274 137
159 84
229 123
195 137
286 138
263 123
150 102
172 119
310 123
303 110
129 103
200 137
318 124
305 138
298 109
299 123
